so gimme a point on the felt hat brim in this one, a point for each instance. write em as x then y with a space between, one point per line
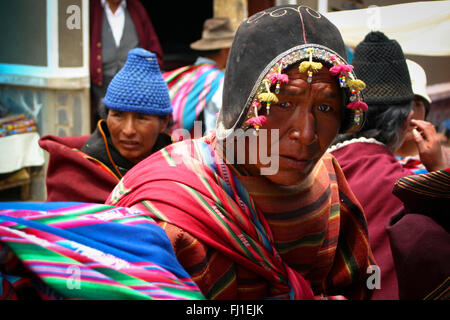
211 44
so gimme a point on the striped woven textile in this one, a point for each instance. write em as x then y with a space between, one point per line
87 251
433 184
188 187
190 89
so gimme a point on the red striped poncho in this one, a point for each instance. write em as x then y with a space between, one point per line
231 248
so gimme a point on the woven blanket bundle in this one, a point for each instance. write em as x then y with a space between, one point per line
87 251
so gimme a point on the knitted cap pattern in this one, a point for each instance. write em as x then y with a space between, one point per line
139 86
381 64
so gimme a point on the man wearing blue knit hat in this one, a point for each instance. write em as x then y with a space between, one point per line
137 109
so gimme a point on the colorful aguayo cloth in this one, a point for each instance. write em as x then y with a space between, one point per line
65 250
190 89
189 186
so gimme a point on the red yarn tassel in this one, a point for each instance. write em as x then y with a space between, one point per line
275 77
358 105
257 121
341 68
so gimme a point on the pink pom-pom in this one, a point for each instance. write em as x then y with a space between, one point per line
358 105
256 103
257 121
341 68
275 77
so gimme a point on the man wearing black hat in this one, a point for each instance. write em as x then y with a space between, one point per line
367 157
289 228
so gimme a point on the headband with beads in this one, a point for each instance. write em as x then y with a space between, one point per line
275 76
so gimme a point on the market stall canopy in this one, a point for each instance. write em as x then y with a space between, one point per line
421 28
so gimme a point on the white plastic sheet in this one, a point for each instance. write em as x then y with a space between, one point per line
19 151
421 28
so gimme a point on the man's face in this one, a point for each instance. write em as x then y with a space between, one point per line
134 134
308 116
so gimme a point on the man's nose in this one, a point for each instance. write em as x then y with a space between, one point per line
128 126
303 128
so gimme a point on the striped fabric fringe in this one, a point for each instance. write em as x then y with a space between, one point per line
190 89
88 251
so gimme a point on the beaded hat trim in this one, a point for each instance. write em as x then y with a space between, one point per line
272 74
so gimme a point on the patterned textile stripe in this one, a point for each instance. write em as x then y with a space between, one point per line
170 75
209 80
118 192
122 255
92 286
182 80
44 270
246 217
242 242
436 183
244 205
190 89
349 259
304 221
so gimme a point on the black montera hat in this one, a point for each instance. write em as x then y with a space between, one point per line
380 63
269 42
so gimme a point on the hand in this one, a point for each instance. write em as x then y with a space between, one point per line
429 146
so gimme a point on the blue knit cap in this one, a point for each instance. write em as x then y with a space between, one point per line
139 86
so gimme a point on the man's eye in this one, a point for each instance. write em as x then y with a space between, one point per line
285 105
324 108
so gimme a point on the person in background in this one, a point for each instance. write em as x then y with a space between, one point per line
367 157
196 90
245 228
116 27
138 107
408 153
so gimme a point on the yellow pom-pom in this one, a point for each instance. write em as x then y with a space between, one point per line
304 66
316 66
356 84
268 96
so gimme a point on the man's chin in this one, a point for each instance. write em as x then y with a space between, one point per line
288 178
